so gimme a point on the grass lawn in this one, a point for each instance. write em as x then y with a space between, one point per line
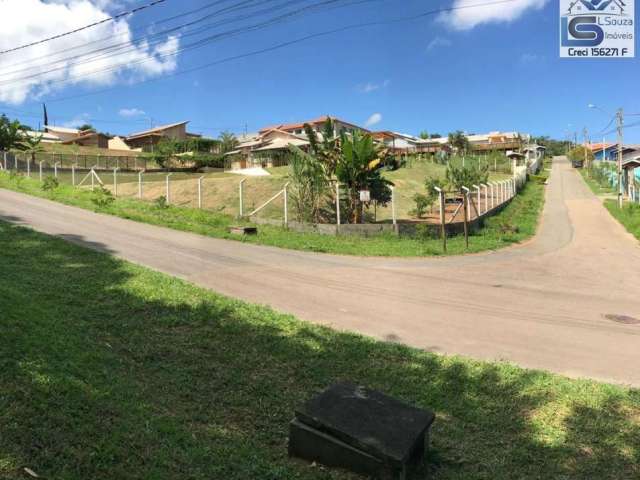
595 186
628 216
112 371
517 222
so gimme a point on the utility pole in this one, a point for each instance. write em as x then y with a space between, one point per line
620 125
585 133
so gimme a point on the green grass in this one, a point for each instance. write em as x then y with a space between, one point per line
595 186
517 222
628 216
410 180
111 371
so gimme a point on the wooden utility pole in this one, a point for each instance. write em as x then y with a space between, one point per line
620 126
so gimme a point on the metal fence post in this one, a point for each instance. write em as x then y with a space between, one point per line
28 166
200 192
479 201
140 183
115 182
41 169
286 205
337 203
443 227
73 175
55 169
393 205
241 188
465 206
4 154
168 190
486 197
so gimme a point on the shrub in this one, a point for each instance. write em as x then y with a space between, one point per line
161 202
50 183
102 197
422 202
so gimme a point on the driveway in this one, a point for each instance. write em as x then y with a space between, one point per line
541 305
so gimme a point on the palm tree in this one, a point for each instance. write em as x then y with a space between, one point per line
459 141
228 142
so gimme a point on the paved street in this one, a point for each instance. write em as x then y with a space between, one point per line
541 305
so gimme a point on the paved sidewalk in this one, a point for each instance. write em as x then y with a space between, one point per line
541 305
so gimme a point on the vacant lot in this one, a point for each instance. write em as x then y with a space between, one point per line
517 222
109 370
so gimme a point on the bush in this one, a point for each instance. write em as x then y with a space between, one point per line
161 202
50 183
102 197
209 160
422 202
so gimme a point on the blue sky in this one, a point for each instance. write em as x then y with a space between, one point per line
425 74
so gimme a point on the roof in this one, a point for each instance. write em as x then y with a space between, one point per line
281 143
85 136
295 126
62 129
45 136
600 146
156 130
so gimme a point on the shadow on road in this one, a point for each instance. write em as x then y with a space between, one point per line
112 371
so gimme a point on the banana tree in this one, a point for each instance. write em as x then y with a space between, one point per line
358 169
32 146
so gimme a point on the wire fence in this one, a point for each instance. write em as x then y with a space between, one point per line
265 199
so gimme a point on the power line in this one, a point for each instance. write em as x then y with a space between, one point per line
110 37
128 46
85 27
194 45
292 42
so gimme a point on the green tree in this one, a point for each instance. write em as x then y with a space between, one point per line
32 145
228 142
358 170
11 133
309 185
458 177
326 146
580 154
86 126
459 141
424 135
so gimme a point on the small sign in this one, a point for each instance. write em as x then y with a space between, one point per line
597 28
365 196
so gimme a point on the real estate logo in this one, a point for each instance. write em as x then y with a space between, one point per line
597 28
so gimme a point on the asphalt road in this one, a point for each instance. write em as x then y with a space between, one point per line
541 305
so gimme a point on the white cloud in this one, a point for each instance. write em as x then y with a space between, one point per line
468 18
26 21
373 120
372 87
131 112
438 42
76 121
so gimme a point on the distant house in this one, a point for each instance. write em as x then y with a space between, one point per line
401 143
268 148
118 143
45 137
339 126
495 141
64 134
147 139
604 151
89 139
